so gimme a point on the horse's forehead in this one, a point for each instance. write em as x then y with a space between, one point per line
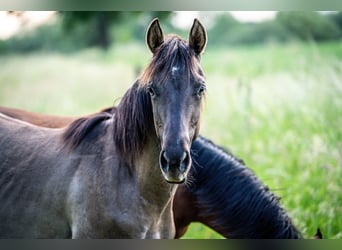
182 71
178 72
175 70
180 79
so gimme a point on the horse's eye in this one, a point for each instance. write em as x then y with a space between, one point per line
151 91
200 90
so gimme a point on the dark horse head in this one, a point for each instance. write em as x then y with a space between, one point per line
175 83
162 109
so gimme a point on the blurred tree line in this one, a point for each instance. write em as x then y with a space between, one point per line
285 27
73 31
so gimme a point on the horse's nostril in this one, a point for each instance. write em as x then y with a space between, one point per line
183 156
174 165
164 161
175 161
166 158
185 162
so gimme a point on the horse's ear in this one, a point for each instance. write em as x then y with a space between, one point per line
197 37
154 35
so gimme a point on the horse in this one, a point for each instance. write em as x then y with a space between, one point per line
222 193
109 176
229 197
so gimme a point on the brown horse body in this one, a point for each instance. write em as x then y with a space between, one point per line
42 120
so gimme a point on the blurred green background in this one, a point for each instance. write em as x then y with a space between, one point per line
274 91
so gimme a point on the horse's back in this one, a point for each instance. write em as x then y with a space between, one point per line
29 201
19 137
43 120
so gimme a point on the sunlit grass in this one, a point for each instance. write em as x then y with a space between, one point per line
278 107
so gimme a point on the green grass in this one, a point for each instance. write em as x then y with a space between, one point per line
277 107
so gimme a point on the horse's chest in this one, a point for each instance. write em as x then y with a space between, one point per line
148 222
159 225
149 225
158 230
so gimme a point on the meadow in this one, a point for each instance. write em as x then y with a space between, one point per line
278 107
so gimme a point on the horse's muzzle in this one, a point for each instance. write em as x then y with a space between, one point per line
175 166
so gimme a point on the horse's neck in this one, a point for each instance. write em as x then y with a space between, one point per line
153 186
235 212
156 195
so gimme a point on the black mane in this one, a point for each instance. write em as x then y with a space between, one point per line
248 208
133 122
82 128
